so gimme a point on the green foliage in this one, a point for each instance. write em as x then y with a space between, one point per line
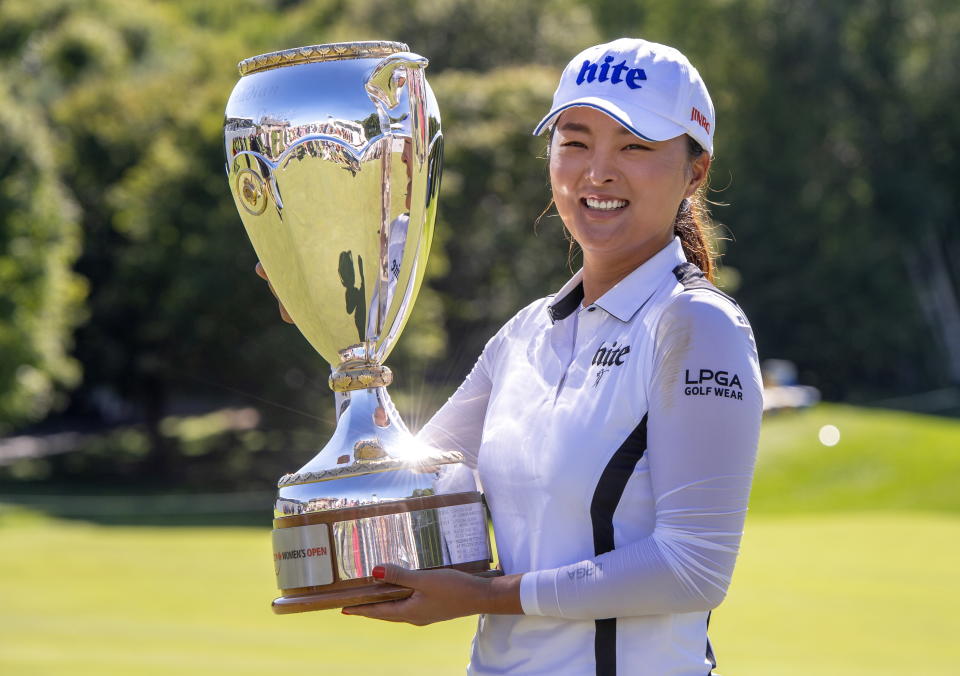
135 96
218 451
837 141
40 297
495 188
830 152
459 34
847 214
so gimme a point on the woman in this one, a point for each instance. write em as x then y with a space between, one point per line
614 425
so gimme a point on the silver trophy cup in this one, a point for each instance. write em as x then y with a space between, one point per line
333 157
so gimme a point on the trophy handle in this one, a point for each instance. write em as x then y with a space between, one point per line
384 83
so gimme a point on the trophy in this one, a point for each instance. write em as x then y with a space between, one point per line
333 157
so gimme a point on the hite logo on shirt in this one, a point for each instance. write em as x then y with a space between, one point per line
608 357
708 383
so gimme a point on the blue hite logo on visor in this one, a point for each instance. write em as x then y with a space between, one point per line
603 72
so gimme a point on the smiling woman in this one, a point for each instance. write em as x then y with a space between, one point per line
617 193
617 496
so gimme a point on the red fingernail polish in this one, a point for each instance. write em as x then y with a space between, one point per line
343 611
379 572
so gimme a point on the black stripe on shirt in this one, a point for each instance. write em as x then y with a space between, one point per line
692 277
710 656
606 497
605 646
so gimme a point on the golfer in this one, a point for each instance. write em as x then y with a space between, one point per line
614 424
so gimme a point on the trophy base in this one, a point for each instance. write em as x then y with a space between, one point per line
356 595
325 559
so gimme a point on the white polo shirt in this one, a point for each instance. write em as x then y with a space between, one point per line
615 444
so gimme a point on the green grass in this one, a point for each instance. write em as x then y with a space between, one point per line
829 595
848 567
885 460
843 595
81 599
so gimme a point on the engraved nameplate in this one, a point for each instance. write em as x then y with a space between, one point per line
464 529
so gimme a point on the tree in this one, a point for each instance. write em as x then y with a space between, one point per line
834 153
837 141
40 296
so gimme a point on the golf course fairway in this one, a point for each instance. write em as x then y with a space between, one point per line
848 567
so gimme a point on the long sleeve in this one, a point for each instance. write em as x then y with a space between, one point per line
458 424
705 404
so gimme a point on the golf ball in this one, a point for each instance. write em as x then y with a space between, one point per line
829 435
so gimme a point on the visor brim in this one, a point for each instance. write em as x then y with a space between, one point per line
641 122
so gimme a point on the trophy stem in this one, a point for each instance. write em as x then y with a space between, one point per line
359 375
370 437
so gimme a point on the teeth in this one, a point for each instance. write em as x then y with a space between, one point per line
605 204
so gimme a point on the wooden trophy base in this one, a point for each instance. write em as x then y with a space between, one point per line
306 548
359 592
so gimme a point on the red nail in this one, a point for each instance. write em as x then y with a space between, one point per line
344 611
379 572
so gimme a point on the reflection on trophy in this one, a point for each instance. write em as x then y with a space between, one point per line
333 157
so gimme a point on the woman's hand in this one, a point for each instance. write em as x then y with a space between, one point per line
284 315
442 595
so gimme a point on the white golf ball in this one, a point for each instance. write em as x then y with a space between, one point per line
829 435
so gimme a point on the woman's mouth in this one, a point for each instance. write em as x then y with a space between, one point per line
603 205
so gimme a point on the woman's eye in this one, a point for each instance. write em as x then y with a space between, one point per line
573 144
636 146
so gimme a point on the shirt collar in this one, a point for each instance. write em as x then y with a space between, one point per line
629 294
567 299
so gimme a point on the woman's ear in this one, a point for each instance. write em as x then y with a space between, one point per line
699 167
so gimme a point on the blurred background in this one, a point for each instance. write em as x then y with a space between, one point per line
150 396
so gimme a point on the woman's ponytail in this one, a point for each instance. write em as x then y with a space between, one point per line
693 225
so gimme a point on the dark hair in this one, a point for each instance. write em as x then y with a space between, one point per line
693 224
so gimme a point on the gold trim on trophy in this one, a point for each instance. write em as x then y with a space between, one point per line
359 377
316 53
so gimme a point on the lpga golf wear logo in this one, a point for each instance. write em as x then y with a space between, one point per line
722 384
602 72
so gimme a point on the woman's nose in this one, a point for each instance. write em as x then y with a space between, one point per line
601 169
